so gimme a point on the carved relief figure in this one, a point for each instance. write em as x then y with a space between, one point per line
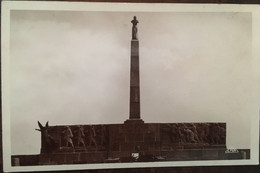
80 136
92 136
189 135
199 133
182 133
67 136
195 132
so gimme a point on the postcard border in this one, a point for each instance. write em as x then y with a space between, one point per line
7 6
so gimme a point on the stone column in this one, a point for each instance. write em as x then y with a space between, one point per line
134 81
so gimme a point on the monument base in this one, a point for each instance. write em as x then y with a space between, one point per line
134 121
133 135
126 156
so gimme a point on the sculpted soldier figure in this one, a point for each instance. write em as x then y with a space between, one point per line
134 28
195 132
182 133
80 136
189 135
92 136
176 133
68 137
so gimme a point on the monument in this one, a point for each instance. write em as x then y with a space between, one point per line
134 75
134 140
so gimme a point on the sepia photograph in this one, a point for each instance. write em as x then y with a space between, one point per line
98 85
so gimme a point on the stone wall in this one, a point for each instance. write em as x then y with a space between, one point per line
132 136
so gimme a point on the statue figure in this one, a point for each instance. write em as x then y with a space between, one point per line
92 136
189 135
68 137
195 132
182 133
80 136
134 28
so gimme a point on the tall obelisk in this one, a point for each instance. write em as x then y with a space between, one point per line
134 74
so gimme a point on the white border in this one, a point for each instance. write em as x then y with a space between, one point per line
7 6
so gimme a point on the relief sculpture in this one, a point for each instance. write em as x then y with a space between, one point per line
80 135
67 136
50 141
194 133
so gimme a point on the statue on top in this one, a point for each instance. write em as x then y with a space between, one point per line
134 28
